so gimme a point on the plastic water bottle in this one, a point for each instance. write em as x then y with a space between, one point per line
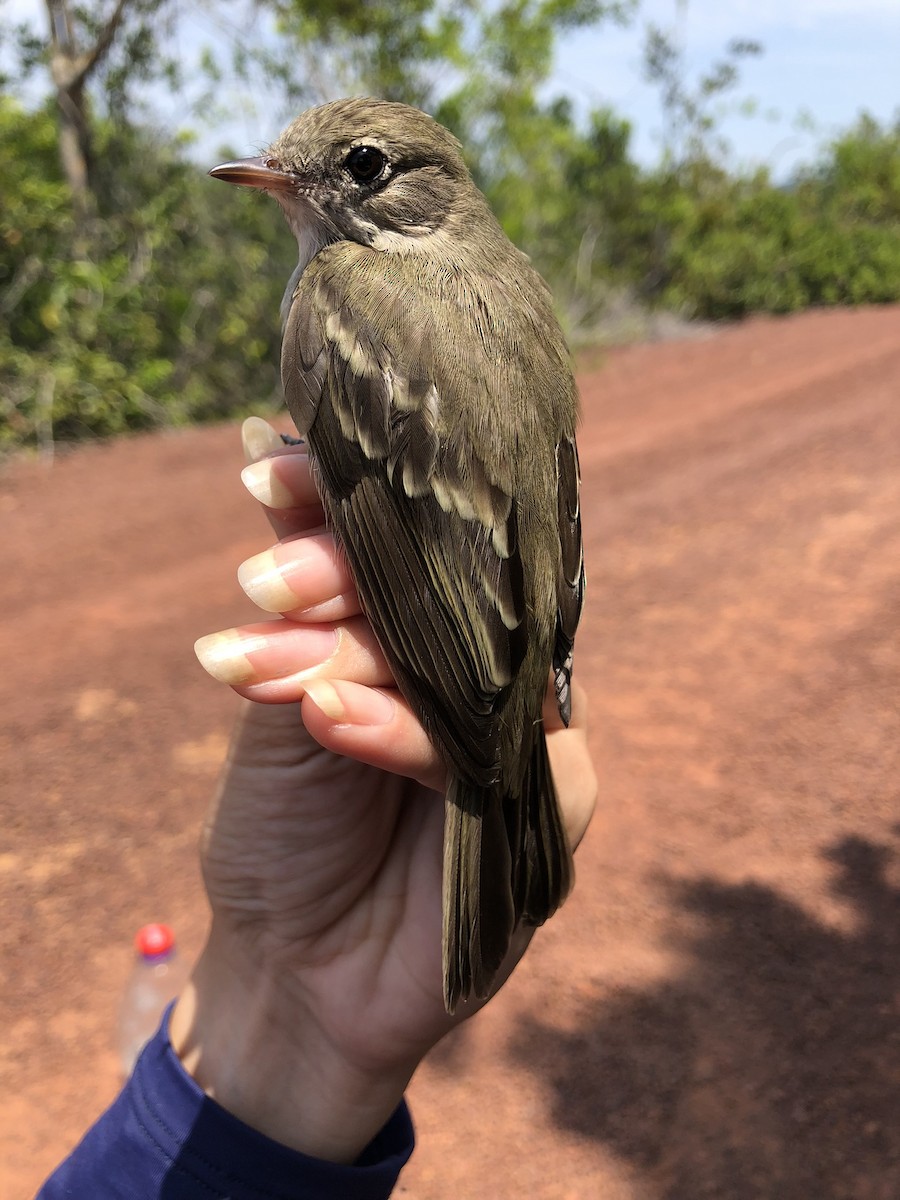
157 977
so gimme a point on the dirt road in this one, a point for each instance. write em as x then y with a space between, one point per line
716 1013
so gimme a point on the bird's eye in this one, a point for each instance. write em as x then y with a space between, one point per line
365 163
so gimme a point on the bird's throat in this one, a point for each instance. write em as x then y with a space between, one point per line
312 236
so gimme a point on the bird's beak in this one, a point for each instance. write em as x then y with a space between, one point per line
262 173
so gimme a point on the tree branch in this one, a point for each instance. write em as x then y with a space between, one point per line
86 63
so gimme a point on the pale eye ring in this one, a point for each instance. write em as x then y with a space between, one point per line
365 163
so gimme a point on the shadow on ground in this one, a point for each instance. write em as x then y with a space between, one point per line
770 1068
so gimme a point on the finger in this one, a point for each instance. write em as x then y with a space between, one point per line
374 726
273 661
305 577
571 764
280 478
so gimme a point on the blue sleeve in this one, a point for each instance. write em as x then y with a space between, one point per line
163 1138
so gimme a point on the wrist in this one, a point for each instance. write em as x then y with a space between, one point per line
261 1054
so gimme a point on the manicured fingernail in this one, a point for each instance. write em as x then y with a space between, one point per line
263 581
350 703
259 439
224 656
264 485
239 657
325 696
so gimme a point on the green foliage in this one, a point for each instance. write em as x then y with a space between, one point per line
161 310
744 245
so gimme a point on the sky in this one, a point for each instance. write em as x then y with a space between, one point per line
824 61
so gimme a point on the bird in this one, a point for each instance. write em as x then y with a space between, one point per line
424 366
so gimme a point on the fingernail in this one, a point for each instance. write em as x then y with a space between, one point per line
263 581
259 439
236 657
223 655
350 703
264 485
325 696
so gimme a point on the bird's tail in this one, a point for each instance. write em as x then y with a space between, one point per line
506 860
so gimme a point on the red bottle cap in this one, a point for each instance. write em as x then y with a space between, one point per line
154 940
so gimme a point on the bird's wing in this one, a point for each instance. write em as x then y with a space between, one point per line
570 581
431 540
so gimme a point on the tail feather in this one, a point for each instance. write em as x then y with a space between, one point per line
545 858
478 909
506 860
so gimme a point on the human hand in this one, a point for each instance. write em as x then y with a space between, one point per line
319 990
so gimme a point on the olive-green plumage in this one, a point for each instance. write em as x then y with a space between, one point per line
424 365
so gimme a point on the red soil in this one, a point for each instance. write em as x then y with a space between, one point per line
716 1013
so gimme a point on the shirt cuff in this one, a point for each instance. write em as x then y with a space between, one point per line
164 1137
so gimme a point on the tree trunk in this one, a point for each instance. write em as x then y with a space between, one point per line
70 67
75 147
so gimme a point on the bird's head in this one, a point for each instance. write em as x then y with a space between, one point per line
370 171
